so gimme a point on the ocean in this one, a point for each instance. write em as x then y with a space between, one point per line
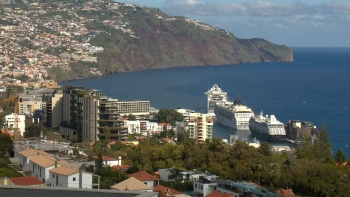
315 87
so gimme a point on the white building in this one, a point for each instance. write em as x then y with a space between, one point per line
10 122
63 176
200 127
205 185
145 127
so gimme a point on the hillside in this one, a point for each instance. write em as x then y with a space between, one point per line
146 38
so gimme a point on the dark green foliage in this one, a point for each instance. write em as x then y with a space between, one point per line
319 149
6 144
168 116
265 149
110 176
340 157
131 117
33 130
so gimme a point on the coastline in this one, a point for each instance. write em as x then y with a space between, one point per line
115 73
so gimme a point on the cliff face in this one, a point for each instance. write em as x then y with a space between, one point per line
176 41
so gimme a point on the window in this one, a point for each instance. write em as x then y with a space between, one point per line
53 176
195 185
74 179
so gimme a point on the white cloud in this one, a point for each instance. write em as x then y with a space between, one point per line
338 7
255 8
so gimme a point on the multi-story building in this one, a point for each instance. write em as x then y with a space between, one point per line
296 130
54 110
90 116
10 122
200 126
28 104
111 125
136 108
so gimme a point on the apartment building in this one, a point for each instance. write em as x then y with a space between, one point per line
10 122
54 110
200 126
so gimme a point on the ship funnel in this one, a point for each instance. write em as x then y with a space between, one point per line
237 101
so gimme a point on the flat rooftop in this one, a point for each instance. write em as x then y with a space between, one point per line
21 191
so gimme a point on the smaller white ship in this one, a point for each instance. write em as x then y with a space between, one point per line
267 128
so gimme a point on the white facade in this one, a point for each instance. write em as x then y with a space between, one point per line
200 126
204 188
215 95
41 172
10 122
145 127
71 181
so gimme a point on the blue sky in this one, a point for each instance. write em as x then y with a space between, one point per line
290 22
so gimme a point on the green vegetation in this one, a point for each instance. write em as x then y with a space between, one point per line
168 116
309 172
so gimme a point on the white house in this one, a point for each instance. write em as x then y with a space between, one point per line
110 161
10 122
146 178
40 166
205 185
63 176
25 155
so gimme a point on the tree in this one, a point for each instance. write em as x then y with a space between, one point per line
32 130
6 144
168 116
265 149
99 162
131 117
107 132
340 157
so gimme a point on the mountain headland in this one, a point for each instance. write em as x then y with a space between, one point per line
86 38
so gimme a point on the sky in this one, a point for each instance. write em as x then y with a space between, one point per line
307 23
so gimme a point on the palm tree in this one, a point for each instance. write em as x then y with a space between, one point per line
275 170
259 167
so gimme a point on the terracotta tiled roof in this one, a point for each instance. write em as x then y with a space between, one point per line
31 152
286 192
121 167
43 161
143 176
165 190
62 170
6 131
216 193
131 184
30 180
107 158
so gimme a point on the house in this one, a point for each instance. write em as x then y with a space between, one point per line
205 185
286 192
217 193
24 181
166 191
25 155
146 178
132 184
110 161
164 174
65 176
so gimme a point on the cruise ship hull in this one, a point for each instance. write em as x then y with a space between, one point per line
228 120
266 137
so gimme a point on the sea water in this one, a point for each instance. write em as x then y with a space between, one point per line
314 87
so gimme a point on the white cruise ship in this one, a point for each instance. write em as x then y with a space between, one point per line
233 115
267 128
215 96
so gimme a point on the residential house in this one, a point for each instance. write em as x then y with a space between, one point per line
205 185
110 161
24 181
132 184
146 178
67 176
168 192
